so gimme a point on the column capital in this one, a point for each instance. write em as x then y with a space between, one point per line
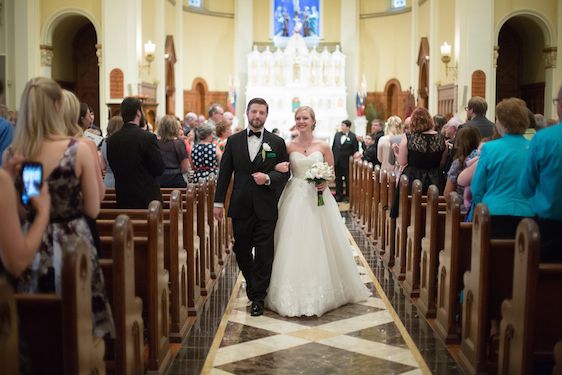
46 55
98 53
550 57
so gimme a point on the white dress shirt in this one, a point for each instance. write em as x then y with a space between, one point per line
343 138
254 144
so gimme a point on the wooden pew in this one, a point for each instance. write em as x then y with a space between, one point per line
531 322
175 256
484 290
401 233
58 329
216 248
352 185
454 260
9 340
413 241
390 223
119 274
375 199
367 193
192 245
416 231
431 244
203 232
151 284
381 210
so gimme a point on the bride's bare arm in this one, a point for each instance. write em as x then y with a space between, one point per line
328 155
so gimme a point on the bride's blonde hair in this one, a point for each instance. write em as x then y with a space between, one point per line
310 112
39 115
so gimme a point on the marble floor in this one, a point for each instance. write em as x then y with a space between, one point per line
382 335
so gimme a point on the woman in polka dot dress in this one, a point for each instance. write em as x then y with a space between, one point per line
205 155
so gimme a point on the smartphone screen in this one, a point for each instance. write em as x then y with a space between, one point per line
31 176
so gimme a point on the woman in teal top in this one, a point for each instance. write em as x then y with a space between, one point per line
495 181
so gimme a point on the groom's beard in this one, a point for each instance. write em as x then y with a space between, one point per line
257 124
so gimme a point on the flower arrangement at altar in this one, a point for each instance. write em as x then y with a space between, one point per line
317 174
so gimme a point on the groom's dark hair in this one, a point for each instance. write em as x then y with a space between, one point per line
257 101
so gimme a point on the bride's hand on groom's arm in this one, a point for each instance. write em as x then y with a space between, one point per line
282 167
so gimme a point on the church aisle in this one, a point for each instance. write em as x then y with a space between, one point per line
362 338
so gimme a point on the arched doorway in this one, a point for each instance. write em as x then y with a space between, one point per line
75 63
520 66
392 92
200 92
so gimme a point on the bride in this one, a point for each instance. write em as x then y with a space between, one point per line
314 270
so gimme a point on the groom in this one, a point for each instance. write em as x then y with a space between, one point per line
252 155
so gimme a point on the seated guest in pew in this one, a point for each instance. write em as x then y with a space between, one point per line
135 159
115 123
467 141
174 154
496 177
69 171
223 130
541 182
205 155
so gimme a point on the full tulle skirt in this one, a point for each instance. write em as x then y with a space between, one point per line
314 270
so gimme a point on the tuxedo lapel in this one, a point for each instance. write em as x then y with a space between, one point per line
244 146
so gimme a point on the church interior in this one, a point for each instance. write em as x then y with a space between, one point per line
355 60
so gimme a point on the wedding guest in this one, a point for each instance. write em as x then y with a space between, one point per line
541 183
495 179
18 248
205 155
392 135
173 152
216 113
422 153
69 170
223 131
115 123
135 158
377 132
345 145
70 114
476 116
466 143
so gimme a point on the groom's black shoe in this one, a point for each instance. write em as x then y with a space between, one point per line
257 308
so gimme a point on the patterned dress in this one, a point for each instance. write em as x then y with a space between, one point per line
204 157
66 224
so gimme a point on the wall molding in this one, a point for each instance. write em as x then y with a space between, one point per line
387 13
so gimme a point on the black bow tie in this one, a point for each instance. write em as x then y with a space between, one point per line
251 133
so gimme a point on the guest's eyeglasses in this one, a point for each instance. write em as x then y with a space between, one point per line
466 109
555 101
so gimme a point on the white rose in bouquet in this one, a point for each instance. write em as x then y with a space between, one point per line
317 174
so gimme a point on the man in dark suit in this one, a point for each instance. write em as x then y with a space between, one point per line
476 116
135 159
345 145
252 155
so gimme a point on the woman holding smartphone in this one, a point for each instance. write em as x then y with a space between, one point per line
16 248
69 169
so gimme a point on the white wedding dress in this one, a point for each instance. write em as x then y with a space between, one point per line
314 270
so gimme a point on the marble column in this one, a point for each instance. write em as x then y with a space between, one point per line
179 66
46 60
434 54
243 29
551 83
27 52
349 37
159 64
474 50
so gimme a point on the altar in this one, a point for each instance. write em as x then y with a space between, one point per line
298 75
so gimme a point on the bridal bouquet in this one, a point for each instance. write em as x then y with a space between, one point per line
319 173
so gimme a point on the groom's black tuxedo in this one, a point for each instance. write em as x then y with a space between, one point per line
253 207
247 197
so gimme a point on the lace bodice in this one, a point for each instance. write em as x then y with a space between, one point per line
300 163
